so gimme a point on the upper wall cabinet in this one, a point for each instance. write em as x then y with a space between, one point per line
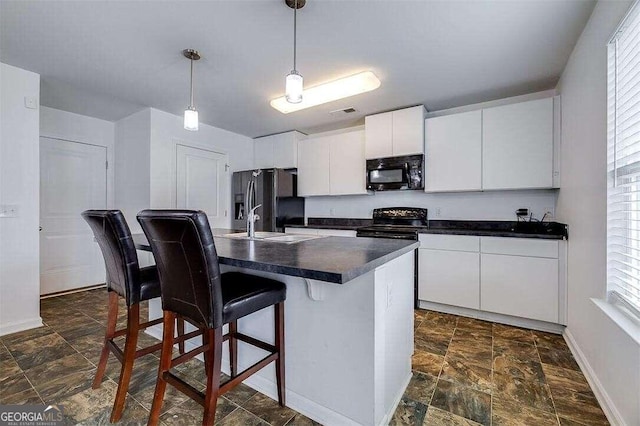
506 147
453 144
279 151
518 145
395 133
333 164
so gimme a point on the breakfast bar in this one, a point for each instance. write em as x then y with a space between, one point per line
348 321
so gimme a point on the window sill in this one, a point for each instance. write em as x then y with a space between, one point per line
620 318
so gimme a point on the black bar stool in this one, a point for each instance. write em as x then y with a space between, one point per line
124 279
192 286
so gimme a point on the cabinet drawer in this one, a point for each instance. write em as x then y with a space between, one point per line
520 247
301 231
449 242
336 232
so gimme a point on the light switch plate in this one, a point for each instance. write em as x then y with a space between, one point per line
9 210
31 102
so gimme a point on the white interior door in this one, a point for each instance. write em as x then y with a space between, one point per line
73 178
201 183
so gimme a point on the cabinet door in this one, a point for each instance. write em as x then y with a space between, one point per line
408 131
348 166
378 135
313 167
263 152
517 147
453 152
521 286
450 277
337 232
285 150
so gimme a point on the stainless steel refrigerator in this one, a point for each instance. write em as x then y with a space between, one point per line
277 191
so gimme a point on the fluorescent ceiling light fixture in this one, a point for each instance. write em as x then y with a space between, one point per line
363 82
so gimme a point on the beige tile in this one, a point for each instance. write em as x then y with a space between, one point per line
558 377
435 416
511 413
508 332
190 412
527 392
581 407
242 417
462 373
426 362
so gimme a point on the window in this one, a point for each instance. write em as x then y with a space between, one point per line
623 158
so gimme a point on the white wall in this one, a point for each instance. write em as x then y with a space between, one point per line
58 124
133 166
167 131
20 186
609 356
498 205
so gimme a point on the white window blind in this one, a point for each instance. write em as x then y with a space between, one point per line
623 158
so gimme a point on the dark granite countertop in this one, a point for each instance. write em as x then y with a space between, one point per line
333 259
486 228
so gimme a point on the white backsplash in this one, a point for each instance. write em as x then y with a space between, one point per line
492 205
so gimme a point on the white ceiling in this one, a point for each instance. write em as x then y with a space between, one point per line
110 58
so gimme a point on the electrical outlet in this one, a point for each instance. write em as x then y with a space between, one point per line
31 102
332 211
438 212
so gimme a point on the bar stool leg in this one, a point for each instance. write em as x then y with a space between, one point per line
165 365
112 319
279 328
180 322
129 356
233 348
214 366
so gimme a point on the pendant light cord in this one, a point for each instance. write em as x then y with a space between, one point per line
191 85
295 14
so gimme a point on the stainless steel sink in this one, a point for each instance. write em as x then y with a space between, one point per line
275 237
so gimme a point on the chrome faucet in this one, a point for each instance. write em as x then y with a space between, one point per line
249 208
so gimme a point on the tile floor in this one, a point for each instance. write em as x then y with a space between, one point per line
466 372
470 372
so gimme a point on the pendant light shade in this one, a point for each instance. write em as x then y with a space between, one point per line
191 119
293 87
294 82
191 114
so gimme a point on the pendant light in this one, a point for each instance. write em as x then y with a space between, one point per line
191 113
294 81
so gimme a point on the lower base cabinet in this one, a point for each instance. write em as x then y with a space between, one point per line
449 277
520 286
321 231
510 276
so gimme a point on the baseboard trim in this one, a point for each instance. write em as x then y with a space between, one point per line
549 327
609 408
14 327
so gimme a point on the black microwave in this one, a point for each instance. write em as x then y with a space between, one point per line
392 173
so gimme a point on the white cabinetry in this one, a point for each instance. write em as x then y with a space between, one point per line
518 145
332 164
313 167
518 277
321 231
395 133
453 145
279 151
449 270
506 147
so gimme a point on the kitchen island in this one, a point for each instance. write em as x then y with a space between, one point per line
348 322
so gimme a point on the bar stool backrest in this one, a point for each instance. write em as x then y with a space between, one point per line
118 250
187 261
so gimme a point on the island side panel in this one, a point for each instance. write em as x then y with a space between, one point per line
394 333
